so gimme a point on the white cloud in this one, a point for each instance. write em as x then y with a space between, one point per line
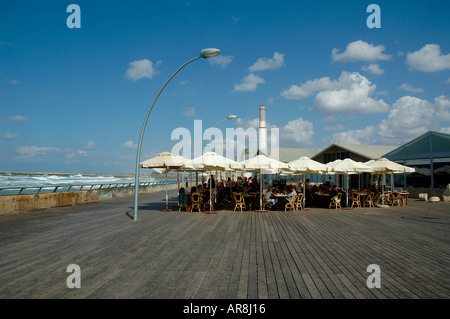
428 59
360 51
10 136
268 63
245 124
47 153
350 93
221 60
442 108
408 118
355 136
373 68
410 88
190 111
90 145
18 119
299 131
33 151
128 144
140 69
352 96
307 89
249 83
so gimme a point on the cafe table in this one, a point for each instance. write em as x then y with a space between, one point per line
404 197
250 199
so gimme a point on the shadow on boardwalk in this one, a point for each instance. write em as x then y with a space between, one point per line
316 254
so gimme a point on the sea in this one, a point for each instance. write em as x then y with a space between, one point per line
11 183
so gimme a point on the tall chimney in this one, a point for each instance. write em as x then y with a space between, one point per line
262 147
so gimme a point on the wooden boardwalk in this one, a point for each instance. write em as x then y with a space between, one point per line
315 254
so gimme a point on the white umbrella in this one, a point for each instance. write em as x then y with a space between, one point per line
167 162
348 166
305 165
262 164
384 166
210 162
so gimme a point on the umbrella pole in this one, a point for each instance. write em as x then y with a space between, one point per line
347 191
260 191
210 190
167 197
304 190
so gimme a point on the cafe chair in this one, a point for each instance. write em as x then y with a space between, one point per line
356 199
369 200
376 199
239 201
266 204
182 205
210 204
196 201
299 202
395 199
336 201
292 204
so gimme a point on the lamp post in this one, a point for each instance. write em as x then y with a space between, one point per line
229 117
205 53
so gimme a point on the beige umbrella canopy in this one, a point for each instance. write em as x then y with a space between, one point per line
305 165
348 166
210 161
263 164
384 166
167 162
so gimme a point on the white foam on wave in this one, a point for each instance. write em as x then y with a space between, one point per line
32 180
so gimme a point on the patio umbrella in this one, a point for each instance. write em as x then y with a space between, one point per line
262 164
167 162
210 161
384 166
348 166
305 165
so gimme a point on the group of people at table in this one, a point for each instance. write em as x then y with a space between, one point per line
244 194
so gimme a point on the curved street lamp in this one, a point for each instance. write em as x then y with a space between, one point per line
205 53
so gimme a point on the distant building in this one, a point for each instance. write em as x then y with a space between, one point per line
429 154
356 152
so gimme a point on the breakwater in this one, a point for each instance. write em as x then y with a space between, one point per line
28 202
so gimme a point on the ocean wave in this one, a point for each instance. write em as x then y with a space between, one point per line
33 180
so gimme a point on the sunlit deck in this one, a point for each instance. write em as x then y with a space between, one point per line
316 254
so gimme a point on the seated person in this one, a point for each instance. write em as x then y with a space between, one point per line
182 196
269 196
282 202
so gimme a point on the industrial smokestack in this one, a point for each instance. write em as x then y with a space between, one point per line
262 146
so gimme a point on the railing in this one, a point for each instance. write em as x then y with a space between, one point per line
70 188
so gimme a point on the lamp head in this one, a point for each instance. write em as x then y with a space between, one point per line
208 53
231 117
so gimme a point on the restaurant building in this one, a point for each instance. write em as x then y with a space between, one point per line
429 155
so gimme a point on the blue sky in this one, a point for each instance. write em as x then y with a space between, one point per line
74 99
